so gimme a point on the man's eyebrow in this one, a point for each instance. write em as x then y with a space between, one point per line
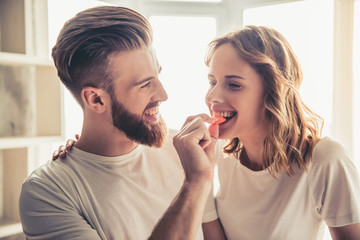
143 81
146 79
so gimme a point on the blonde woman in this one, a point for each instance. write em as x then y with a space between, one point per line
279 179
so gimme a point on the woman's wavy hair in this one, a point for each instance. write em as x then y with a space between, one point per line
86 41
293 128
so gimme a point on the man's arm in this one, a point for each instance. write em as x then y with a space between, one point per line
183 218
195 147
47 213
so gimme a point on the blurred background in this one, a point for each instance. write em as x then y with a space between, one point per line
38 114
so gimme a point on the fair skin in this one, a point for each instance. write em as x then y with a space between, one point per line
236 88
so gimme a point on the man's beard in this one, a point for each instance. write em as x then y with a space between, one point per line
135 128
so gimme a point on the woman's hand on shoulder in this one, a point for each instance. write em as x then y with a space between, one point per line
61 152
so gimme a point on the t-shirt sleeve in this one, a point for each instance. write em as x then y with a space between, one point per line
46 213
334 184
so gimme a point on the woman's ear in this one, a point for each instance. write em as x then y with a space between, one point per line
94 98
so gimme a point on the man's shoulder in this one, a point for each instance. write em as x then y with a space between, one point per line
49 175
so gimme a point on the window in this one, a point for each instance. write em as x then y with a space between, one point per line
356 85
311 38
184 1
180 43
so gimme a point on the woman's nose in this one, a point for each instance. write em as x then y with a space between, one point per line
214 94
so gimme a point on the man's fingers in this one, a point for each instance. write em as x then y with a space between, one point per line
203 116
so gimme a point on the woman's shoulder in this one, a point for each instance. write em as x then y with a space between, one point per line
329 148
329 153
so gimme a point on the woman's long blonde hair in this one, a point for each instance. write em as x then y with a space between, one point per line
293 128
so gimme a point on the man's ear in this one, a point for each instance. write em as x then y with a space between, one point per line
94 98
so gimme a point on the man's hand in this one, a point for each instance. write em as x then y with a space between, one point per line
195 146
61 152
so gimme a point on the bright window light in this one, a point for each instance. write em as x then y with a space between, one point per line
210 1
181 43
356 87
59 12
311 37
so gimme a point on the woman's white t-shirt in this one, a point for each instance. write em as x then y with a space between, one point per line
256 205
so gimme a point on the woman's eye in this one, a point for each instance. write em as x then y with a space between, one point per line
146 84
235 85
212 83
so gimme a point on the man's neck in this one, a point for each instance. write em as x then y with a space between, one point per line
106 142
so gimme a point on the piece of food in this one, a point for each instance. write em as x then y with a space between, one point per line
217 120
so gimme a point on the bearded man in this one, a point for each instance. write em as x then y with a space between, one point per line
123 178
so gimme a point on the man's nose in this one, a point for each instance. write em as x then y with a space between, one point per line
160 93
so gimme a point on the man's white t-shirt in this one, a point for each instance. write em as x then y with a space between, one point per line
256 205
87 196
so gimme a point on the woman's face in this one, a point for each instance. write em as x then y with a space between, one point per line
236 92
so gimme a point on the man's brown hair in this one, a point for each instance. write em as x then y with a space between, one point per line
86 41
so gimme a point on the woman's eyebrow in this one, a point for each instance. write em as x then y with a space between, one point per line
234 76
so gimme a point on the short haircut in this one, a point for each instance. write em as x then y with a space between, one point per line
87 40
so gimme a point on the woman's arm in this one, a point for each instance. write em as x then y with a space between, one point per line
213 230
348 232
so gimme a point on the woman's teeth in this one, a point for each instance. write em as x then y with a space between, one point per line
226 115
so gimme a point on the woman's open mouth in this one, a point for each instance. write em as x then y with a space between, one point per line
226 114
